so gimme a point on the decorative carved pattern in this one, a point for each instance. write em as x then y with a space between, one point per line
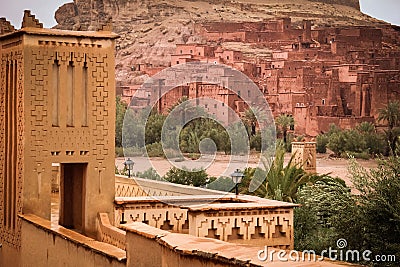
134 190
275 227
272 227
161 216
39 106
68 44
11 235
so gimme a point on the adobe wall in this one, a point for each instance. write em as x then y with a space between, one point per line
57 105
151 247
43 246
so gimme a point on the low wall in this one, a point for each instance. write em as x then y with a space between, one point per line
238 219
42 245
139 187
108 233
151 247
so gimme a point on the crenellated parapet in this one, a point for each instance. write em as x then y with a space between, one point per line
5 26
29 20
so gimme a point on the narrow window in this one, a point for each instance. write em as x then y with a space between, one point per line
56 93
70 94
85 95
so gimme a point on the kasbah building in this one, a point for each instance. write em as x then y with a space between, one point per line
57 115
320 76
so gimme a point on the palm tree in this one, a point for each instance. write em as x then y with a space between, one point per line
285 122
391 114
282 181
365 127
250 120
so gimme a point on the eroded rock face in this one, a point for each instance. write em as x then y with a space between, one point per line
150 29
350 3
67 14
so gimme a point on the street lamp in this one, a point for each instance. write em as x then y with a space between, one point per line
237 179
129 166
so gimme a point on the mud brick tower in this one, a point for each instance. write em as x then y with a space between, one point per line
57 105
305 154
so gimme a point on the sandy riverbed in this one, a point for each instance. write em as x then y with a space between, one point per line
223 165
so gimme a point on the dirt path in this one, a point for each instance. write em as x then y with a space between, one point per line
223 165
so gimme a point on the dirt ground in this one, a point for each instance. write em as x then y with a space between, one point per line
223 165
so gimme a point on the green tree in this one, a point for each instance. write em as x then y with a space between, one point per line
184 176
153 128
120 109
224 184
374 142
285 123
369 220
256 142
150 174
197 130
281 181
326 207
378 205
133 132
361 141
391 114
250 120
322 142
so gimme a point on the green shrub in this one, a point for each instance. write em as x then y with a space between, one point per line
155 150
150 174
255 142
128 152
187 177
322 142
224 184
119 151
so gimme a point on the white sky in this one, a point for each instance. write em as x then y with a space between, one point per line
388 10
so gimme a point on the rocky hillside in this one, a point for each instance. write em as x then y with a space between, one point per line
149 29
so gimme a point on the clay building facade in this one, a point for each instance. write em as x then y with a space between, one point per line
340 75
54 110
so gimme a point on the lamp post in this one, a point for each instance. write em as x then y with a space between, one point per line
129 166
237 179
